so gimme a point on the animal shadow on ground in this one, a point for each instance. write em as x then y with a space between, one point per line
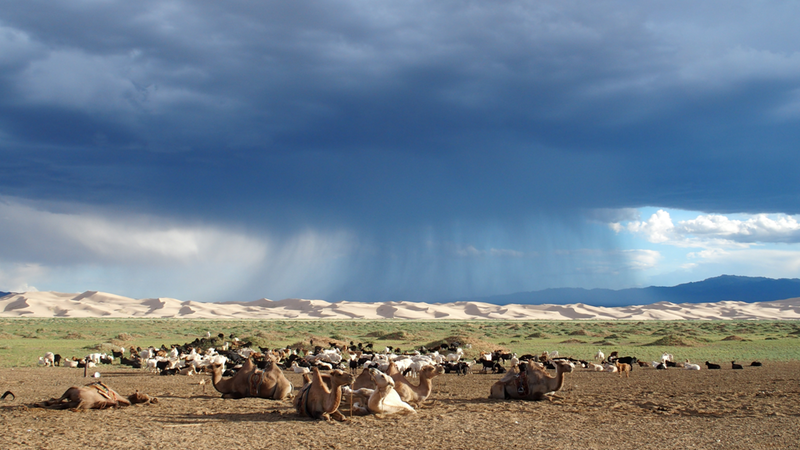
198 419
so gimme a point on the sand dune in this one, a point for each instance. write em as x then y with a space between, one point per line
99 304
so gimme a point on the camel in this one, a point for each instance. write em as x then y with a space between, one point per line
415 394
364 380
384 399
530 383
92 396
249 381
318 400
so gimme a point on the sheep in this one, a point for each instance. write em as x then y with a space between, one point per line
712 366
736 366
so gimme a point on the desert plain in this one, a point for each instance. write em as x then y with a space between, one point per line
755 407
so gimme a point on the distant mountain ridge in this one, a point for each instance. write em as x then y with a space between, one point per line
721 288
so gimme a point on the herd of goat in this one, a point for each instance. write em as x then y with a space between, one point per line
385 390
199 355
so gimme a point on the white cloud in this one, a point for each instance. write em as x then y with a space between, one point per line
143 256
14 277
760 228
714 231
39 235
751 262
642 259
658 228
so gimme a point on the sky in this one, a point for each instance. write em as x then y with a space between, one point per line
374 151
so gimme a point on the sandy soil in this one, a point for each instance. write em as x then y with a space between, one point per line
725 409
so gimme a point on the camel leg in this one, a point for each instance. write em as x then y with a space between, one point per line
338 416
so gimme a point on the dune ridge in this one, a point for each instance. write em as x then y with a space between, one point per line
104 305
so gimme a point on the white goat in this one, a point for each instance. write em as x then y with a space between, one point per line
689 366
48 359
610 368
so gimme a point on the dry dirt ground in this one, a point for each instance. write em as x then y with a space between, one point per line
724 409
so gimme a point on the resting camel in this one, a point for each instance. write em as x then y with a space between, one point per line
250 381
530 383
410 393
94 396
318 400
384 399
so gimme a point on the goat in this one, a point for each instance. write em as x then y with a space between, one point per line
712 366
629 360
736 366
623 367
755 364
689 366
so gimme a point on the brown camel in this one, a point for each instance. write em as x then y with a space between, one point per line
530 383
318 401
249 381
364 380
92 396
410 393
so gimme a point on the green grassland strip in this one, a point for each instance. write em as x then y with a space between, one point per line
23 340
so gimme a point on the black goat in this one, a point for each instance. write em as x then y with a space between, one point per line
755 364
712 366
736 366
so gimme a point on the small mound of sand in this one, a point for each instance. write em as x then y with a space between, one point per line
322 341
580 333
539 335
671 340
733 338
604 343
573 341
396 336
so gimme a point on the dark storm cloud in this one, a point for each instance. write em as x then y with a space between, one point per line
390 119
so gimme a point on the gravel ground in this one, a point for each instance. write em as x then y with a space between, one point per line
727 409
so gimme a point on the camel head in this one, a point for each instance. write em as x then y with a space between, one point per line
431 371
564 367
381 379
341 378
